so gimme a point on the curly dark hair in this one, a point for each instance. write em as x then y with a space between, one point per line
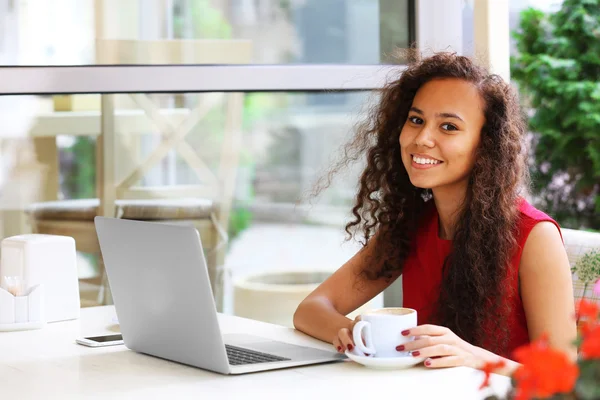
472 299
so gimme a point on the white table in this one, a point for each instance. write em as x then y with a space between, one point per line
47 363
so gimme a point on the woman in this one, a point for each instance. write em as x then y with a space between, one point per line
439 203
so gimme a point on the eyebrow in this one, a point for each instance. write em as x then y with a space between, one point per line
444 115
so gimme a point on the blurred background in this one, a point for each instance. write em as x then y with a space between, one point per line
223 114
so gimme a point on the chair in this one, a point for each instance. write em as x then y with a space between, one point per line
205 205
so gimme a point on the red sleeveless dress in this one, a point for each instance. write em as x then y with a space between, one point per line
422 274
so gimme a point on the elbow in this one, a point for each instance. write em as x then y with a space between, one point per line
298 316
303 314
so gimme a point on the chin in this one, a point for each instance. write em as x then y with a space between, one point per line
421 184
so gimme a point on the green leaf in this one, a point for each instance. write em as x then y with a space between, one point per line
557 70
587 387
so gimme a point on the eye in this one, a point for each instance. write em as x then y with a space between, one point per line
415 120
449 127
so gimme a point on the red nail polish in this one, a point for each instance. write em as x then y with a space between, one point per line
405 333
415 354
428 363
350 347
339 348
400 348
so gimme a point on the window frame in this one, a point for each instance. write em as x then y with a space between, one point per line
427 19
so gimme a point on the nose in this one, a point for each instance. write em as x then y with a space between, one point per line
425 137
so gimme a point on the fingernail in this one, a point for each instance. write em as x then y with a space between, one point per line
428 363
405 333
339 348
415 354
400 348
350 347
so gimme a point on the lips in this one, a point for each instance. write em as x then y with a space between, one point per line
422 159
421 162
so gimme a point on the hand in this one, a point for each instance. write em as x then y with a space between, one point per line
442 348
343 341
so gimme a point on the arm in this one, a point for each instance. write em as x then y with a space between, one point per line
547 288
323 313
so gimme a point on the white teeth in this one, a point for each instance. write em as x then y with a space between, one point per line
420 160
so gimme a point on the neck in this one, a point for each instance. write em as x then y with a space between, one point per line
448 202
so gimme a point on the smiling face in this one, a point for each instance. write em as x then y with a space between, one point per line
441 134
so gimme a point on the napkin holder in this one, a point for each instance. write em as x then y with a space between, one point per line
48 260
24 312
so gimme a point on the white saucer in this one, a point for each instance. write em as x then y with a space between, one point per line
387 362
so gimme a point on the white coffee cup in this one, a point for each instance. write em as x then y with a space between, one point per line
381 331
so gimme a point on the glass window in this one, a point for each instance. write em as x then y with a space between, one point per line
71 32
256 155
286 141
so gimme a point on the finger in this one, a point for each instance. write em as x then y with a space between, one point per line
346 339
338 345
429 330
438 350
421 342
444 362
355 322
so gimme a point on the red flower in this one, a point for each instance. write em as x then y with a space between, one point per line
544 371
588 309
590 348
488 368
586 328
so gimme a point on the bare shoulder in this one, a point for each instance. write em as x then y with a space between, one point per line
543 238
544 249
544 233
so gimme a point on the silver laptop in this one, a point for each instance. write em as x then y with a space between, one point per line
163 299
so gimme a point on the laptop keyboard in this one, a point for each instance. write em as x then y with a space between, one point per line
241 356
